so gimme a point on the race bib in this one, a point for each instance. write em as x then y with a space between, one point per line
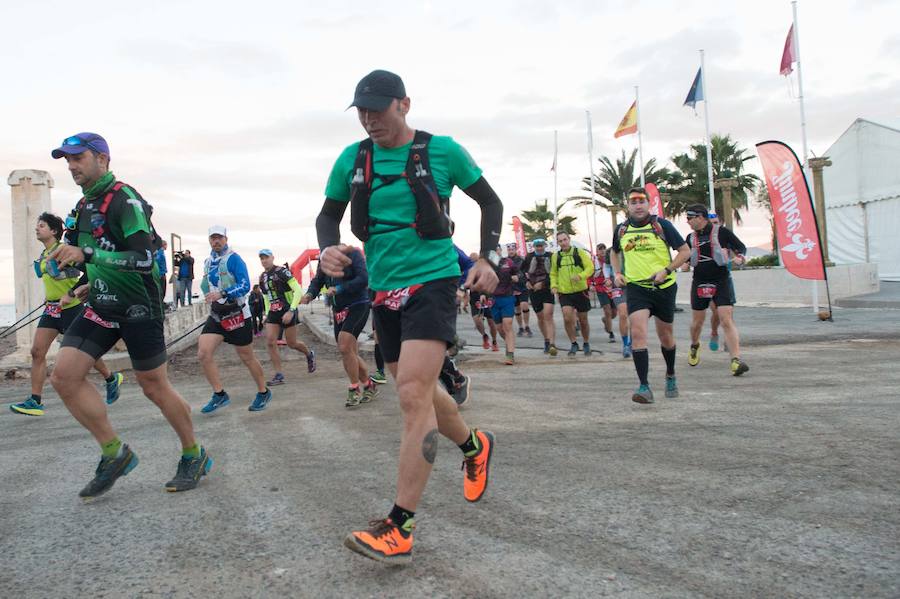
93 317
341 316
395 299
488 303
615 293
277 306
53 310
706 290
232 323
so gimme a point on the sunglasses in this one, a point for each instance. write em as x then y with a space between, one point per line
78 141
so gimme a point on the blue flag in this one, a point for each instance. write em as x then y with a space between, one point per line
696 93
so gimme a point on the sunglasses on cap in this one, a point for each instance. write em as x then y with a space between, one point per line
691 215
78 141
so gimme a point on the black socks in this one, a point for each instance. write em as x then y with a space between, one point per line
641 364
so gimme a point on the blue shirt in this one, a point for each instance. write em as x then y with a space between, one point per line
161 261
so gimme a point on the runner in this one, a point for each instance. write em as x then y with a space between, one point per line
114 239
505 304
160 257
520 291
350 304
570 269
642 264
711 245
611 298
257 309
481 311
455 382
61 308
414 271
226 285
536 269
282 294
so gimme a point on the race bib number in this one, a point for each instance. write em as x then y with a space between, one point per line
53 310
706 290
93 317
232 323
395 299
341 315
488 303
614 293
277 306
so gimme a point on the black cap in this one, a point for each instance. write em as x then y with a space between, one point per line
377 90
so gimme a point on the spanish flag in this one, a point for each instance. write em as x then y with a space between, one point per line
628 125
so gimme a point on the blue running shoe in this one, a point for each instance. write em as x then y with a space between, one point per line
626 350
642 395
189 472
29 407
216 402
714 343
671 387
262 400
311 361
112 388
278 379
108 471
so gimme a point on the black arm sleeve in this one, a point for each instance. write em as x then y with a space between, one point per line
729 240
328 223
491 213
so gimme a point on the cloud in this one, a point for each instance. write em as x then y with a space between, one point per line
200 57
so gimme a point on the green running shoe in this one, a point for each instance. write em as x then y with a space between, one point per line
378 377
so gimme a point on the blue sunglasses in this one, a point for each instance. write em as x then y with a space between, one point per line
78 141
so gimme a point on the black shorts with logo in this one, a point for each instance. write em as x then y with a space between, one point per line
61 321
660 302
429 313
92 335
240 336
580 300
541 297
351 319
720 291
275 315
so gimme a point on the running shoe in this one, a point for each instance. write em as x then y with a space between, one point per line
587 348
485 341
546 347
378 377
477 467
738 367
626 349
520 332
29 407
553 350
643 394
383 541
510 359
461 393
671 387
495 347
528 332
612 337
108 471
112 388
694 355
573 350
714 343
216 402
189 472
311 362
278 379
353 397
369 393
261 401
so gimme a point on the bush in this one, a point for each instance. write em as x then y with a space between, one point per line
767 260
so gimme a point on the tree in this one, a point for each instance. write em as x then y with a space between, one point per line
539 221
762 200
689 183
612 182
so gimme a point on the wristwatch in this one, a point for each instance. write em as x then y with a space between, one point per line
669 270
88 254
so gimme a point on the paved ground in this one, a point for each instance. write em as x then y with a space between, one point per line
782 483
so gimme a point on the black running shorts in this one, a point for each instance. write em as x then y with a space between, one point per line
660 302
579 300
429 313
61 321
274 317
351 319
541 297
720 291
239 337
145 341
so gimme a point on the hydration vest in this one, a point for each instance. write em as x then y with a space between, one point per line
718 254
576 258
654 224
432 211
99 227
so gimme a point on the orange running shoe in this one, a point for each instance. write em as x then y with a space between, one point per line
383 542
477 467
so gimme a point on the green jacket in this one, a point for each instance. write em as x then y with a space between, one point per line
563 269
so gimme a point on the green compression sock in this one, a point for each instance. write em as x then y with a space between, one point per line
192 452
110 449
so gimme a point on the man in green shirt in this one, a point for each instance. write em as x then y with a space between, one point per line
398 183
113 238
570 269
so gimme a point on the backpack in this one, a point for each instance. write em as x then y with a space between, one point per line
576 256
654 224
100 228
432 211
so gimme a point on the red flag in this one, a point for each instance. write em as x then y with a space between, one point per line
656 206
789 56
795 220
519 232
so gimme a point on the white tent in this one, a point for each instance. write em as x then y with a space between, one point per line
862 197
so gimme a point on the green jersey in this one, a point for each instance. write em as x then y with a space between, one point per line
124 277
401 258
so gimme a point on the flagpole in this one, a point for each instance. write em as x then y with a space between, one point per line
796 42
709 167
555 176
637 105
590 134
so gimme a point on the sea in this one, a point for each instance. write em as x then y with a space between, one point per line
7 314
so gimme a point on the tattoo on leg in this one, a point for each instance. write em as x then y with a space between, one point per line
429 446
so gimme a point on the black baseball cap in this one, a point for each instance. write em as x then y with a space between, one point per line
377 90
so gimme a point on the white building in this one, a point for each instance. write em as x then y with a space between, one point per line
862 197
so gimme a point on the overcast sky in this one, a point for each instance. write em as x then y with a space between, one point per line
233 113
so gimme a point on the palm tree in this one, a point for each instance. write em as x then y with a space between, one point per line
612 182
689 184
762 201
539 221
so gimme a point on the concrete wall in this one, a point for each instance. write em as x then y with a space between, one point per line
776 286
